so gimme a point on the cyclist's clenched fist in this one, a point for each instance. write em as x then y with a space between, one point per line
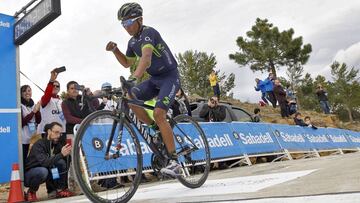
111 46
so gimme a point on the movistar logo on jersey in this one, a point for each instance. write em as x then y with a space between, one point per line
4 24
166 101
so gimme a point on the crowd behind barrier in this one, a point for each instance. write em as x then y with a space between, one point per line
231 140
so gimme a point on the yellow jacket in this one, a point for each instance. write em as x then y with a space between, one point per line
213 79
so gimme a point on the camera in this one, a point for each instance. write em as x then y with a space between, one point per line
79 87
59 70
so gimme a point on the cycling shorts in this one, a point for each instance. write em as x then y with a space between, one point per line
164 87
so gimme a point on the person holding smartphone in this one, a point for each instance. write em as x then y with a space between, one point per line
212 111
46 163
51 109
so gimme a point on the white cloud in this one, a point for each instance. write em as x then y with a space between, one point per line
350 56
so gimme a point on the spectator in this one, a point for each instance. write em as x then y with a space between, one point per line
298 120
256 116
323 99
51 110
30 117
45 164
181 104
269 87
260 86
214 84
212 111
290 94
93 102
106 103
309 123
75 108
280 96
292 107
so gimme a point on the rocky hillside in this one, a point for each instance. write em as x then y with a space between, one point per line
271 115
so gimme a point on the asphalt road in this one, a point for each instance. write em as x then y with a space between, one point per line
328 179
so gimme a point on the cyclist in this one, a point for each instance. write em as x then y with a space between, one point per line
156 58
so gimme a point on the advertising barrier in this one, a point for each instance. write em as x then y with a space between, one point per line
255 138
8 103
225 140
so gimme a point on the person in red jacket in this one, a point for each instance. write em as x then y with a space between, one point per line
51 109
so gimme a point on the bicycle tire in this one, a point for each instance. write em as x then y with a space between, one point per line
80 163
203 152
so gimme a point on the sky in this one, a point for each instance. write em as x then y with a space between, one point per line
78 37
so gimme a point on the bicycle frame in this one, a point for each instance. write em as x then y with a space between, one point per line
123 110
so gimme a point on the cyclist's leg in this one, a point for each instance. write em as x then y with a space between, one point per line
143 91
168 88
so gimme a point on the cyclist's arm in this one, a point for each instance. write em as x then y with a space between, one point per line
123 60
145 61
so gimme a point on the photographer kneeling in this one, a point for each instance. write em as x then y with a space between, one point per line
212 111
46 164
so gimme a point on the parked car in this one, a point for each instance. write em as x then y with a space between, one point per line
233 113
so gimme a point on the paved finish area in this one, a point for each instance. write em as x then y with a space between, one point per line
327 179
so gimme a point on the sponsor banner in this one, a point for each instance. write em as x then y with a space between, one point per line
222 141
339 138
95 140
318 138
354 137
255 138
9 144
8 101
225 140
291 137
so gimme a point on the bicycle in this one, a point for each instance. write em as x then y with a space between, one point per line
106 146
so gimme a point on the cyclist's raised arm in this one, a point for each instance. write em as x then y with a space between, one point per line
123 60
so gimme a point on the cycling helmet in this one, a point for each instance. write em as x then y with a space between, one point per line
106 86
129 10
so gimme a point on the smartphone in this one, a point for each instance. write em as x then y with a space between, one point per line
59 70
68 141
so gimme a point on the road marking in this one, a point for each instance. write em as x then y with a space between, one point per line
214 187
220 186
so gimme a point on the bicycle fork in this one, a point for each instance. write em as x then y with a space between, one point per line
118 140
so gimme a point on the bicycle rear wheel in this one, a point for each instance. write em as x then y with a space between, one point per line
193 151
97 176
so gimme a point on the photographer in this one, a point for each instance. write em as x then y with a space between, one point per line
46 163
75 107
212 111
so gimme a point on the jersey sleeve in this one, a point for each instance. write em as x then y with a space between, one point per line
149 38
129 52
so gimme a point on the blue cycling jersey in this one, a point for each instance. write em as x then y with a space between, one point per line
162 60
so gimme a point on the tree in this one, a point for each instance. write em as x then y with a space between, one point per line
195 67
346 86
267 49
306 94
294 74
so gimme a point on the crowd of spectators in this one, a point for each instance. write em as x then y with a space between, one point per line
272 91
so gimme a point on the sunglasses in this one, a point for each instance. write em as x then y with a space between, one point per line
57 86
129 22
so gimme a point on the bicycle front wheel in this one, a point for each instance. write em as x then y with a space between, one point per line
100 177
193 151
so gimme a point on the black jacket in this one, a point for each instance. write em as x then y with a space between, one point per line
280 94
77 113
40 154
215 114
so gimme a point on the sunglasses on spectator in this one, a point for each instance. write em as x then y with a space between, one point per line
129 22
58 86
